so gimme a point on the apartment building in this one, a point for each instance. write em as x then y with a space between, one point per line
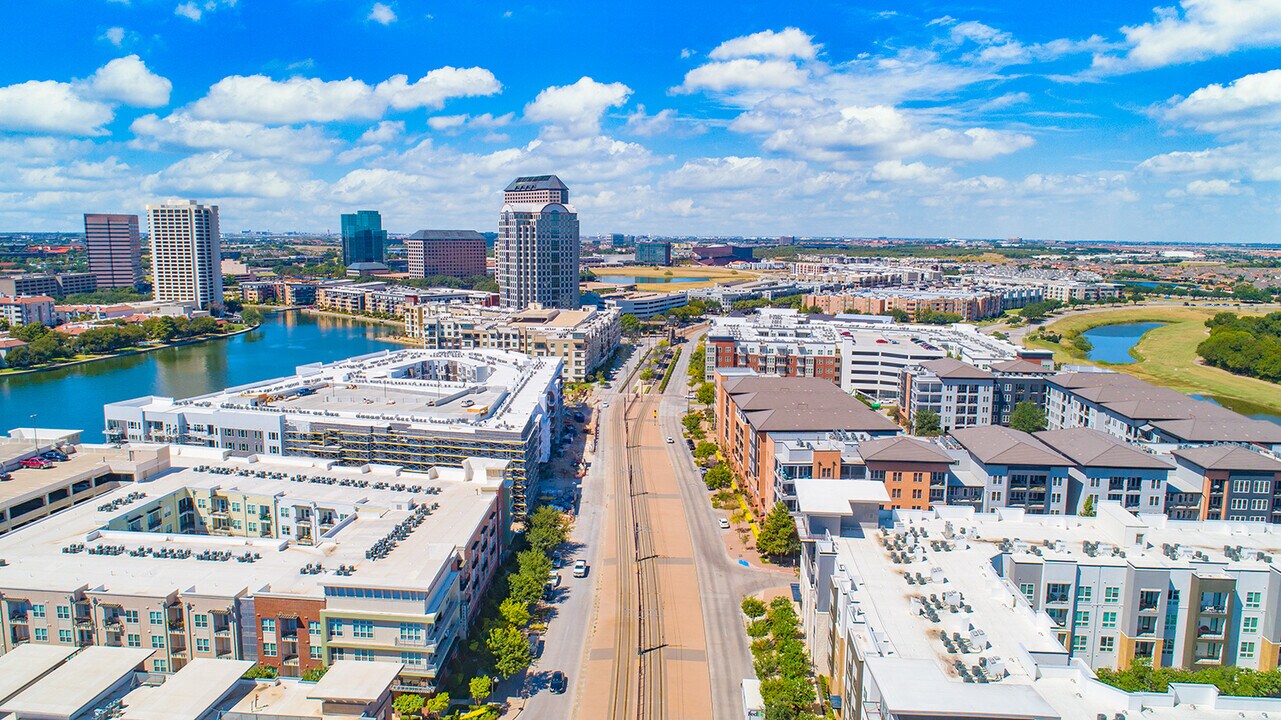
175 564
454 253
186 260
1106 469
583 340
1018 381
27 309
969 305
536 254
857 274
383 298
417 409
755 413
1004 616
1015 470
960 394
1232 482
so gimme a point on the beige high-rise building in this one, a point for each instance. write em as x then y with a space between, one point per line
115 249
186 265
537 248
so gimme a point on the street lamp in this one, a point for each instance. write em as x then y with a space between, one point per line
35 433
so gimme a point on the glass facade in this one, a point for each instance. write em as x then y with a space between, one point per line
363 237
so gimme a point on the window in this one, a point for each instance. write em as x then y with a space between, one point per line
314 652
1084 593
1111 594
269 649
41 634
362 655
235 507
37 611
268 625
335 628
155 617
335 655
202 645
131 617
1107 644
412 659
1254 600
1109 619
313 628
1057 592
1080 643
160 666
157 641
1247 650
411 631
1250 625
1082 618
133 640
362 629
1028 590
64 612
200 620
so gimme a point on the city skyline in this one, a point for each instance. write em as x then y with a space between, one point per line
911 120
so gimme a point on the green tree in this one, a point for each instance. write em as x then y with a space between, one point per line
927 423
1087 509
408 705
437 704
31 332
706 393
753 607
704 450
314 674
693 423
546 529
510 650
1082 343
480 688
718 477
251 316
629 324
1028 417
778 536
514 612
647 374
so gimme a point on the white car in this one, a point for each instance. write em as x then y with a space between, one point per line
670 441
724 523
580 568
604 404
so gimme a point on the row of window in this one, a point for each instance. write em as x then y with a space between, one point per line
1059 593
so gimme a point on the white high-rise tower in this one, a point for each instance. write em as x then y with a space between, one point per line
186 264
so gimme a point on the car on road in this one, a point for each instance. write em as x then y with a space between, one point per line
38 463
670 440
559 683
725 523
580 568
557 563
604 404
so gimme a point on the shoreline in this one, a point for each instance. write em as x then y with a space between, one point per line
126 353
349 316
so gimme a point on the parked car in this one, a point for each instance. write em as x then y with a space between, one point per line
57 455
557 563
670 440
559 683
580 568
5 477
38 463
725 523
604 404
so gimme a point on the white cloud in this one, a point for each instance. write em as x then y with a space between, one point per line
261 99
383 133
1001 102
660 123
128 80
686 53
743 74
50 106
1216 188
917 172
1249 101
486 121
180 130
189 10
222 174
730 173
382 14
1196 30
577 108
787 43
114 35
446 122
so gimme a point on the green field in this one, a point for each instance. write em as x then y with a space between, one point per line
1167 356
709 276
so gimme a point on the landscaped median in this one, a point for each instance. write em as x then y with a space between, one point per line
780 659
1165 356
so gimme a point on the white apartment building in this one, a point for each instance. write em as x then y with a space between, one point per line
186 262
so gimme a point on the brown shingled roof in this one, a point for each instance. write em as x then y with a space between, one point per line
999 445
1087 446
792 404
955 369
903 448
1228 457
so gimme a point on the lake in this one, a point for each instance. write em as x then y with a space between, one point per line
632 279
1112 343
72 397
1258 412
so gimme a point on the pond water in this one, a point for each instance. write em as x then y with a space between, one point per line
1258 412
632 279
1112 343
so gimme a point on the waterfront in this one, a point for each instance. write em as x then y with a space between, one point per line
72 397
1112 343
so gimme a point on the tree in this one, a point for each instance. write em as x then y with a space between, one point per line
629 324
1082 343
718 477
510 650
778 536
693 423
753 607
251 316
1028 417
31 332
706 393
704 450
1087 509
437 704
647 374
514 612
480 688
408 705
927 423
546 529
314 674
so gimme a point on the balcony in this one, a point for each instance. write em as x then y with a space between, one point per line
223 632
1211 608
84 622
422 643
18 619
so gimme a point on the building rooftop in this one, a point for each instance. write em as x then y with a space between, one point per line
789 404
903 448
954 369
350 681
1228 457
28 662
1022 367
1094 448
188 694
999 445
527 183
827 497
446 235
73 686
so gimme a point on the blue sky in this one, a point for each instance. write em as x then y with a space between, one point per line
1085 120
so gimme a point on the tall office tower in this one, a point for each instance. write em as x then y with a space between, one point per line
363 238
115 249
186 264
537 249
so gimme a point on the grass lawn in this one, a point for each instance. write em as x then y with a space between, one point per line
709 275
1167 355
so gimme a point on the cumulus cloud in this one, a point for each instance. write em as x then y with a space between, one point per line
262 99
1196 30
50 106
223 174
1249 101
743 74
577 109
646 125
180 130
383 133
127 80
1217 187
194 11
382 14
114 35
787 43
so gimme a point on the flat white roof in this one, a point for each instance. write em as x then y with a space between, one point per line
27 663
187 694
355 682
834 497
70 688
917 687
